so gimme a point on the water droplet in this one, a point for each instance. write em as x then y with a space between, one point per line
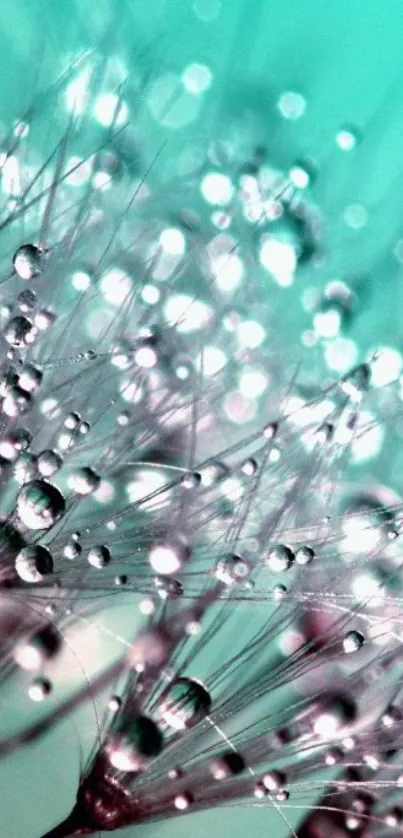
16 402
26 300
232 569
357 382
280 558
33 563
167 588
227 765
34 652
291 105
12 444
135 744
333 756
331 714
49 462
99 556
184 703
304 555
40 505
30 378
346 138
183 801
191 480
394 818
273 781
168 557
19 331
84 481
249 467
40 689
72 421
44 319
391 716
353 641
27 261
72 550
213 473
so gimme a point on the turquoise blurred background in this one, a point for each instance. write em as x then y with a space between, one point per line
345 58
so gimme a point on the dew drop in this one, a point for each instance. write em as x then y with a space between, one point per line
40 689
232 569
33 563
168 557
279 592
346 139
357 382
72 550
14 443
135 744
273 781
27 261
19 331
84 481
184 704
99 556
227 765
280 558
39 505
34 652
192 480
26 300
304 555
183 801
391 716
249 467
168 588
49 462
30 378
353 641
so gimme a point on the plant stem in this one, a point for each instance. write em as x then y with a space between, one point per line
73 825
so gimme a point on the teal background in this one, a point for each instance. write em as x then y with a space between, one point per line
345 57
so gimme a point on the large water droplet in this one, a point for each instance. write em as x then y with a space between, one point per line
280 558
135 744
184 704
40 505
33 563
